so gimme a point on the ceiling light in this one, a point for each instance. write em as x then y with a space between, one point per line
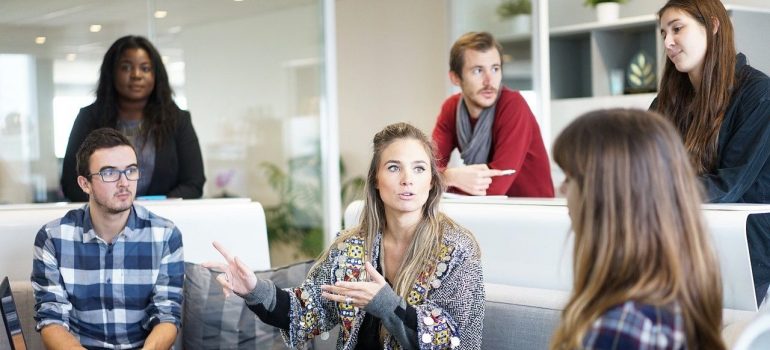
165 59
71 57
238 0
161 14
95 28
175 29
40 40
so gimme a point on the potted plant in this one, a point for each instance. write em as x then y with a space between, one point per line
606 10
517 13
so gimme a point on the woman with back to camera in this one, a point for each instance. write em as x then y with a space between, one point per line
407 277
645 273
134 96
721 107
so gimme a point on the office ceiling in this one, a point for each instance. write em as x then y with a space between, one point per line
65 23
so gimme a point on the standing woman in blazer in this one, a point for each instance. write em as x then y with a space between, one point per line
134 96
645 273
721 108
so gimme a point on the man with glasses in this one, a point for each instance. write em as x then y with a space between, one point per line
109 274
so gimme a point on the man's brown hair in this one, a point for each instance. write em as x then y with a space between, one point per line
479 41
96 140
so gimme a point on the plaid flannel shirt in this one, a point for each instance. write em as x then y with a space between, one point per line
108 295
633 325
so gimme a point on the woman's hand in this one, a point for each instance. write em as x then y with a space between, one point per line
358 294
236 276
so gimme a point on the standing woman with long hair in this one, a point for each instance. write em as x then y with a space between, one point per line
645 273
134 96
721 107
407 277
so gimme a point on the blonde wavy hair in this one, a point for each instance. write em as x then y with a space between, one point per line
428 233
638 229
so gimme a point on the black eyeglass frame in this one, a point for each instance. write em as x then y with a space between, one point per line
125 172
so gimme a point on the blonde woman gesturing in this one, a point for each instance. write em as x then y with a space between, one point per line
407 277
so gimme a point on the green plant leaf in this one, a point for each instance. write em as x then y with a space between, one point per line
593 3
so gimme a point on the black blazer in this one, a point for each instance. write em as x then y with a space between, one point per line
178 163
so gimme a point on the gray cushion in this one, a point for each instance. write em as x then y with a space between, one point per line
519 317
520 327
213 322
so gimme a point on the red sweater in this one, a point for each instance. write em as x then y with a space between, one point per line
516 144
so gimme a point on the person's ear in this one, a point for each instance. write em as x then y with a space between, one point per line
715 24
84 184
456 79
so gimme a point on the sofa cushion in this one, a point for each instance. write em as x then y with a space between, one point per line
212 321
519 317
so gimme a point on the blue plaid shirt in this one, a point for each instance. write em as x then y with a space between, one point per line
633 325
108 295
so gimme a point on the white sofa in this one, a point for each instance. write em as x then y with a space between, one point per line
238 223
526 253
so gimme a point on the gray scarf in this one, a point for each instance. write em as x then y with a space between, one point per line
475 144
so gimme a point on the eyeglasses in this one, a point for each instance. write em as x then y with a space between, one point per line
112 174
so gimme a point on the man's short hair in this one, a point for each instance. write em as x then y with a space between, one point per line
96 140
479 41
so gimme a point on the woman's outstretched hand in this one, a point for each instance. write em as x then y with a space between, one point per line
236 276
358 294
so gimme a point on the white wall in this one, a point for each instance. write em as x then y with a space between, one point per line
392 58
241 95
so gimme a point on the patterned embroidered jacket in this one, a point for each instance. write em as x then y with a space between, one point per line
448 296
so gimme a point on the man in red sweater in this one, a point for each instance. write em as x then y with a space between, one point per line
492 127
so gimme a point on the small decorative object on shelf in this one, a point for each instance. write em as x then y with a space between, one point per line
518 15
606 10
616 82
223 179
641 74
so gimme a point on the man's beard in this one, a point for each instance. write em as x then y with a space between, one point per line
114 209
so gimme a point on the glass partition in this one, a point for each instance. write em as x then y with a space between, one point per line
251 73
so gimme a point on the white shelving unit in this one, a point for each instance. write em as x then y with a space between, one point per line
583 55
517 61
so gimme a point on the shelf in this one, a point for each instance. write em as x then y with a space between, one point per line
616 101
583 56
622 23
517 70
514 38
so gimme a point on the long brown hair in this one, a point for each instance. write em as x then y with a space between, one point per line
698 112
639 234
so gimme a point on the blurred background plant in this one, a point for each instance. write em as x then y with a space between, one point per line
510 8
593 3
297 219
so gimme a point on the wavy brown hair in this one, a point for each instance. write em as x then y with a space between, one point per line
639 235
698 111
